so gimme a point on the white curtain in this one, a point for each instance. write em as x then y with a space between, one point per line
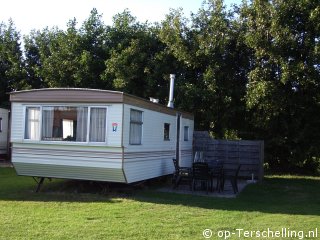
98 125
135 127
47 123
32 123
82 119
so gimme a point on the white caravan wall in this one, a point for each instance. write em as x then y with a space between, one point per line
114 117
154 156
71 160
4 113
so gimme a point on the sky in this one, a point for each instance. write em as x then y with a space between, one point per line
38 14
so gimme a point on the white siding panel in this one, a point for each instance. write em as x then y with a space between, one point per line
114 117
139 166
158 154
69 172
152 133
186 146
4 133
17 122
75 162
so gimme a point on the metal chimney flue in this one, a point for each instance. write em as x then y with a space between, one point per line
170 103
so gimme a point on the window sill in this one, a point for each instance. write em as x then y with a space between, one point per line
65 143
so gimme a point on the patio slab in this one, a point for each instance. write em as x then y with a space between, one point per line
227 193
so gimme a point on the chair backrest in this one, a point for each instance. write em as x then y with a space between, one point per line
200 170
199 156
218 170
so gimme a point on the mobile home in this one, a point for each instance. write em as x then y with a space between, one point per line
96 135
4 114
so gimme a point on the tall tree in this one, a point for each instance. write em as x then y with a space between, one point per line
137 63
37 50
12 74
283 91
215 61
95 50
61 66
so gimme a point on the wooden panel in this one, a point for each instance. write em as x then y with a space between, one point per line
247 153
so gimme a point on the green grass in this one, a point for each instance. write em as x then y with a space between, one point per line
57 212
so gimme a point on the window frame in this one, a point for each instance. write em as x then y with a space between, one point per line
186 136
136 122
87 142
166 138
89 122
24 123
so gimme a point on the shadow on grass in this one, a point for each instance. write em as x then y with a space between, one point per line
283 195
20 188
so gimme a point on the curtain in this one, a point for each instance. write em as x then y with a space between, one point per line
47 123
135 127
32 123
98 125
82 119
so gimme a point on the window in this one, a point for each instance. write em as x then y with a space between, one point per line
65 123
98 125
186 133
0 124
32 123
166 132
135 137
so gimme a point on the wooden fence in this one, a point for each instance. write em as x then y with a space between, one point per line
250 154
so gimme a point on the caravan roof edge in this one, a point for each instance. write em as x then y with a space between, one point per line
71 95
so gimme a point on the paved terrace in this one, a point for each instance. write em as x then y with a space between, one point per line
227 193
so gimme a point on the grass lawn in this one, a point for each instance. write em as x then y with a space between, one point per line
279 202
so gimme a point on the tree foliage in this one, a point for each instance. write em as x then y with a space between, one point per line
248 72
283 90
12 72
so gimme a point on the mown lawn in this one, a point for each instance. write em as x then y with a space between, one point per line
279 202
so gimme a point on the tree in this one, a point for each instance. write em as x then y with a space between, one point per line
60 68
283 89
215 63
36 52
95 50
138 60
12 74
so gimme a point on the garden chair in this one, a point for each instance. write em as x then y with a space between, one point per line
201 173
232 175
181 174
216 172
